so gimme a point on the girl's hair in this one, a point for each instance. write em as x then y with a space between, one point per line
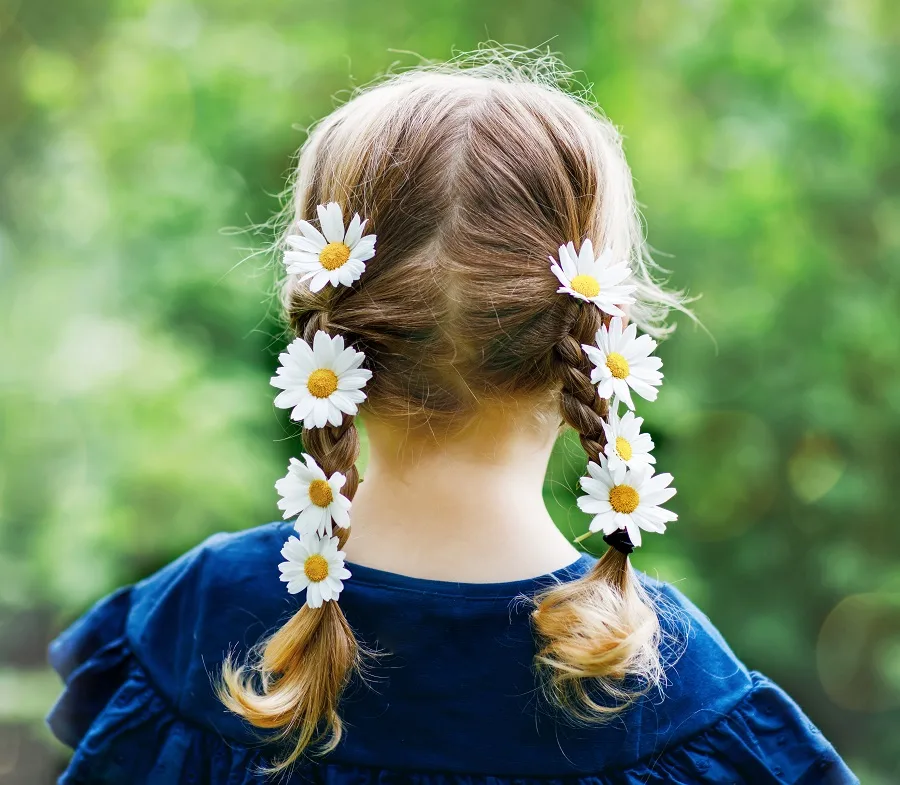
472 174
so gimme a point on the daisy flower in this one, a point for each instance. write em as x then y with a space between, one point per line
316 499
322 382
627 499
625 444
333 255
315 564
598 281
622 363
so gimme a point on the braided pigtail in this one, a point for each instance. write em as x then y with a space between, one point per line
294 685
580 406
600 634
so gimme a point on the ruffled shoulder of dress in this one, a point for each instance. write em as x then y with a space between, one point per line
176 627
125 731
121 727
765 739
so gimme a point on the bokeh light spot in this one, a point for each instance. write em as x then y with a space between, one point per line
858 652
815 467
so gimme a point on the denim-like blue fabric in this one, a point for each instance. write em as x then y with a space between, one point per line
452 698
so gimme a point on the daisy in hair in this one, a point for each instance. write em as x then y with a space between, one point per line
627 499
315 564
625 444
623 362
596 280
334 255
312 496
322 382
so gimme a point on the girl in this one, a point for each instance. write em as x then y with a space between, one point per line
464 263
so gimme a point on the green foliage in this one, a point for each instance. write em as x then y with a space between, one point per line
138 338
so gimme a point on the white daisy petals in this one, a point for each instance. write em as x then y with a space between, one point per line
332 254
321 383
623 362
596 280
316 500
314 564
625 444
628 499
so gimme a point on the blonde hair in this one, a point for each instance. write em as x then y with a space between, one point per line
472 173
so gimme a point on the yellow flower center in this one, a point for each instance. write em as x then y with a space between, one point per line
623 448
617 364
322 382
316 568
320 493
624 498
586 285
334 255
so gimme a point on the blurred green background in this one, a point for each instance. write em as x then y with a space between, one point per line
138 339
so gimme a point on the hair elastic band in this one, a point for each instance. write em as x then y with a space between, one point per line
619 540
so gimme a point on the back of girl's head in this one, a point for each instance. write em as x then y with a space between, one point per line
472 175
472 179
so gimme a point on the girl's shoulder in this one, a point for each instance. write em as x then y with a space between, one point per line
140 704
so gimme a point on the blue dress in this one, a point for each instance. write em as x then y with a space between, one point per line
452 702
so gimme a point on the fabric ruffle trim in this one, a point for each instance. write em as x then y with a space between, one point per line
124 731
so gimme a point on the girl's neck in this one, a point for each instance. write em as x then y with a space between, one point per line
466 507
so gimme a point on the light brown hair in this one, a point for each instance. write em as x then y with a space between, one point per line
472 175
